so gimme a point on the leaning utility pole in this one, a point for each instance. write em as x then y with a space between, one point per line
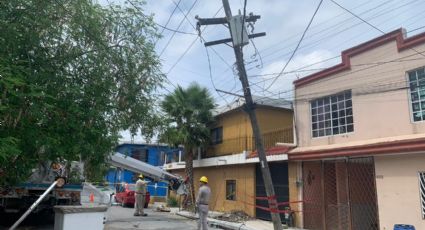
234 23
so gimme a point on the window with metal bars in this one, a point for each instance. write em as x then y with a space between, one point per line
230 189
417 93
217 135
422 192
332 115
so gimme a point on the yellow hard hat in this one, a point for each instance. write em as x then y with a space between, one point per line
141 176
204 179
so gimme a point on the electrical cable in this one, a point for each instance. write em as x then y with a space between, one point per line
211 77
369 66
339 30
202 39
296 48
386 11
159 25
297 70
367 22
190 46
348 27
174 33
326 31
168 21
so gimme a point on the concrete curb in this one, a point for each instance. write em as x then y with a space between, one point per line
214 222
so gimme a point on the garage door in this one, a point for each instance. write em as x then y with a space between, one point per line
279 172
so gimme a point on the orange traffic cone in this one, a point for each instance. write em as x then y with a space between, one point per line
91 197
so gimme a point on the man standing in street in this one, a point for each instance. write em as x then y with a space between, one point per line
202 200
140 195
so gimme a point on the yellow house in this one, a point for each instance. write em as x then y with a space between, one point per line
232 132
230 165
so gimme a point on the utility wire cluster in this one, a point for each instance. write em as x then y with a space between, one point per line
312 37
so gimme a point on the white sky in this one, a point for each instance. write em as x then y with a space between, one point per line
332 31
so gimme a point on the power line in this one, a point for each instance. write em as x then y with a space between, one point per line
211 78
202 38
296 48
358 17
193 42
297 70
387 10
343 22
367 22
174 33
375 64
168 20
339 31
273 46
349 27
161 26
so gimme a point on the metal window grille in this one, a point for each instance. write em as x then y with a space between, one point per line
422 192
332 115
312 189
340 194
217 135
417 93
230 189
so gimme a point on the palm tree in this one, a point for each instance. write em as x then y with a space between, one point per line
188 112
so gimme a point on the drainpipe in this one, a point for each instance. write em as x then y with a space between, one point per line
294 120
299 180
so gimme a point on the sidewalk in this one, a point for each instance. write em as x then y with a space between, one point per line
248 225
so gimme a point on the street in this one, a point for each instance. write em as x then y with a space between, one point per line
122 218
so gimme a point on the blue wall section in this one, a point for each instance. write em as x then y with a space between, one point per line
155 155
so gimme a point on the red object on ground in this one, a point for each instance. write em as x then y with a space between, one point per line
91 197
126 196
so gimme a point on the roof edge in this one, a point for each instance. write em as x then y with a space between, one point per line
397 35
400 146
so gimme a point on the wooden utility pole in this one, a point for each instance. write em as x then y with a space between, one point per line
249 104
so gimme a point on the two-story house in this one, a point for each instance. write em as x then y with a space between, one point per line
230 161
361 137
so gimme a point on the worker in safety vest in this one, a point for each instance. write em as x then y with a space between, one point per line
140 195
202 201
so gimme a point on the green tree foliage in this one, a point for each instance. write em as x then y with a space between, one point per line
188 114
72 74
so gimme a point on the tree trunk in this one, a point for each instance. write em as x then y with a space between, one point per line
189 173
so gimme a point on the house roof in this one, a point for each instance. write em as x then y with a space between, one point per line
397 35
260 102
142 143
388 145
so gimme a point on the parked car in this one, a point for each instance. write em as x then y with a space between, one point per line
125 196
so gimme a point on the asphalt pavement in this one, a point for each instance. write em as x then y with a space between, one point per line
122 218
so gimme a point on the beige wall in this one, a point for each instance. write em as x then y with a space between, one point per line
398 190
295 190
376 115
217 176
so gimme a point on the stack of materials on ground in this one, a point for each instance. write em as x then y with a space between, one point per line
234 216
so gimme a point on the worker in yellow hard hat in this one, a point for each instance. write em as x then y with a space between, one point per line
139 195
202 201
